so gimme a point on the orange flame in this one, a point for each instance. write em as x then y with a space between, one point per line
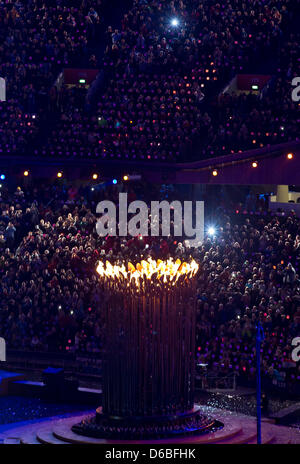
166 271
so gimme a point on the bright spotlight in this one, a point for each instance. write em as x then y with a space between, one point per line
59 174
2 177
125 177
174 22
95 176
26 173
211 231
115 181
290 156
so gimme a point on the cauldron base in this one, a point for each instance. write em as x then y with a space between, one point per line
149 427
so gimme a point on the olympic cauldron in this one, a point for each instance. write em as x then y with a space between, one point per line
149 352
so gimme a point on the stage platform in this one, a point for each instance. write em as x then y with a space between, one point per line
6 379
35 389
286 415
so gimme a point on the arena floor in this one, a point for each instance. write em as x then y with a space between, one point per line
239 429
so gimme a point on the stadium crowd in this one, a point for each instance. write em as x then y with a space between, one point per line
37 40
49 299
161 99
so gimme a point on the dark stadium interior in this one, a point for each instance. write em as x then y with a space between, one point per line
182 100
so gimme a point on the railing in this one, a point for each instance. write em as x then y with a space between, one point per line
81 364
281 385
215 383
